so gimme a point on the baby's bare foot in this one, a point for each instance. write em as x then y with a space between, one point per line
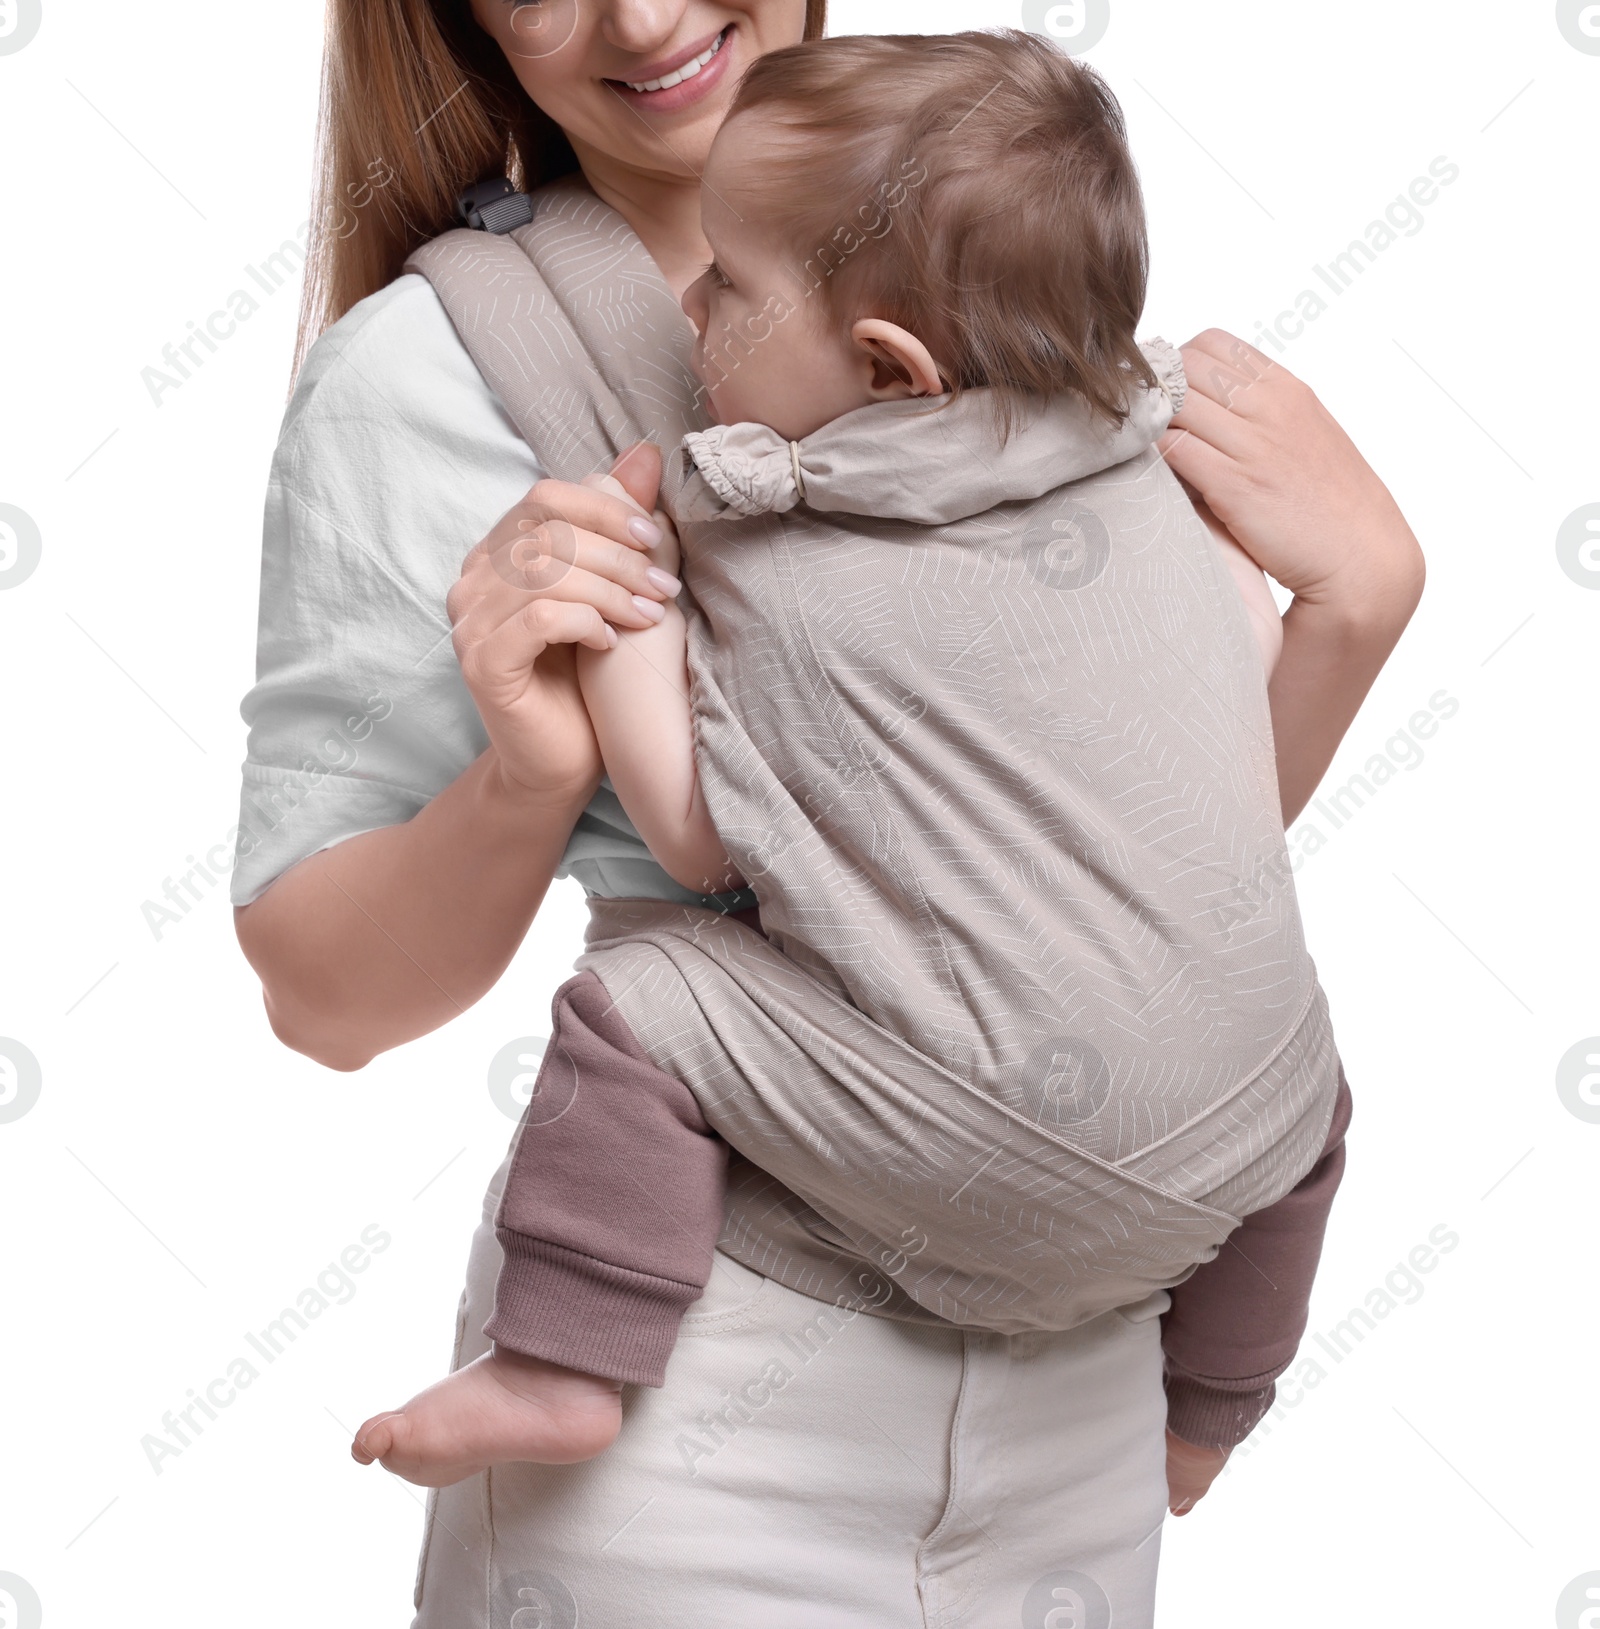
502 1407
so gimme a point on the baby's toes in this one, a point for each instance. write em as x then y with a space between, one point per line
376 1439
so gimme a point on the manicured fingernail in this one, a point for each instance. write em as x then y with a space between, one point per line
648 608
611 637
664 580
644 531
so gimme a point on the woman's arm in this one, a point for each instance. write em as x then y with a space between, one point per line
1279 474
389 934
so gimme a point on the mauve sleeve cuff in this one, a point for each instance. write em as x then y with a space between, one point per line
568 1308
1210 1416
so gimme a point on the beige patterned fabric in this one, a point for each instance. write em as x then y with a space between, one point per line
983 724
846 468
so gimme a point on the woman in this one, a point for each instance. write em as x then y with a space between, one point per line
408 813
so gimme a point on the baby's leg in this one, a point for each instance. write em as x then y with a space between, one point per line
609 1220
502 1407
1235 1324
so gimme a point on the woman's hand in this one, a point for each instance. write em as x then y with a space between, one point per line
566 566
1190 1473
1255 446
1287 482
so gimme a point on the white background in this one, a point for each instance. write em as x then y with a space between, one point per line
183 1176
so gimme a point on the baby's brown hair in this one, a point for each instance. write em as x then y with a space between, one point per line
976 189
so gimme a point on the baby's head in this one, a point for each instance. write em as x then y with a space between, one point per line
902 216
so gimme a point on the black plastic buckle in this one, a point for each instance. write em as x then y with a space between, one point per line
494 206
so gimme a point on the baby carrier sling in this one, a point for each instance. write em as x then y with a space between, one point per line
1006 1059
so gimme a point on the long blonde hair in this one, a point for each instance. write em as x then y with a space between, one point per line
417 102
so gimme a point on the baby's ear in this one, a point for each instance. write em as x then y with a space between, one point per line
902 365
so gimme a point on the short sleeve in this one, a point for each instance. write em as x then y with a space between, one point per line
394 459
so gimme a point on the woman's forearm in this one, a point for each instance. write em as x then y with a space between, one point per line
388 935
1255 447
1333 649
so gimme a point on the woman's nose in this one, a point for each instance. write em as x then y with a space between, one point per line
641 25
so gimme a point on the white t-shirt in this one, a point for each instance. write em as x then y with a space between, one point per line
393 460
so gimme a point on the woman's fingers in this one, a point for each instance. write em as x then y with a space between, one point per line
590 509
1198 464
664 554
1235 375
491 598
551 559
1282 476
497 662
567 565
540 559
1220 425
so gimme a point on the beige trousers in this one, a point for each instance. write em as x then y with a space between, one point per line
810 1467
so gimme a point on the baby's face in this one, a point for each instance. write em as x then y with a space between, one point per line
767 353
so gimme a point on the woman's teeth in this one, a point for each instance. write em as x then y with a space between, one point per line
678 75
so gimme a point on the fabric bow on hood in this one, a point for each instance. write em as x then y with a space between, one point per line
929 461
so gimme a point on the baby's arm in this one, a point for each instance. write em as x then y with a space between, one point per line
1252 580
638 699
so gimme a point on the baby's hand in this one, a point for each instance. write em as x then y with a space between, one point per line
666 554
1190 1473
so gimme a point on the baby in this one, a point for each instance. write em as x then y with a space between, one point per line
975 704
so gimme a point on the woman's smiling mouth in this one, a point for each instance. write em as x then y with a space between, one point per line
678 80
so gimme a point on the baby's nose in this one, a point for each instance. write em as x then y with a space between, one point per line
696 307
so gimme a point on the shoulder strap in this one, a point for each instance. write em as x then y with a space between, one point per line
572 327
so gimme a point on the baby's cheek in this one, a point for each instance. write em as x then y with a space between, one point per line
723 345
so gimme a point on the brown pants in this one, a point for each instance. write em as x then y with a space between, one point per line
613 1205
